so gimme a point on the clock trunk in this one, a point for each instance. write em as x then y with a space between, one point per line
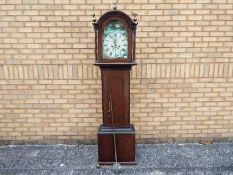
115 86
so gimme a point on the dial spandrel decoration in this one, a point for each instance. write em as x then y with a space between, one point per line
115 41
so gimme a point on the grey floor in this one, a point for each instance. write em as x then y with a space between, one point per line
158 159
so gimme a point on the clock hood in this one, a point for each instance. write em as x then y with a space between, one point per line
116 13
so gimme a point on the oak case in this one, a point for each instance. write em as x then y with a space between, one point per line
116 134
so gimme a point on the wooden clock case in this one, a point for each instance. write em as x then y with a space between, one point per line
115 76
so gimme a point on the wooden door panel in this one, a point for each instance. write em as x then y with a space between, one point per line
116 85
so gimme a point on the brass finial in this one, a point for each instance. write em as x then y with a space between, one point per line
135 17
134 14
93 18
114 6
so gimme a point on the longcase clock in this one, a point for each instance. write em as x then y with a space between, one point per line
115 34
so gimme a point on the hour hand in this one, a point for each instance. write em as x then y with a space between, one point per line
115 41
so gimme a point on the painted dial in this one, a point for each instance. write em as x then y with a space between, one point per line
115 41
115 45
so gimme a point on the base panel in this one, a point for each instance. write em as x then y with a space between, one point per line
125 145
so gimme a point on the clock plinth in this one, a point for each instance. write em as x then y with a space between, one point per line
125 145
115 55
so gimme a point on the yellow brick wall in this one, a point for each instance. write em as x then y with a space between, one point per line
181 89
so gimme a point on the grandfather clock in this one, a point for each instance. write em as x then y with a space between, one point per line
115 34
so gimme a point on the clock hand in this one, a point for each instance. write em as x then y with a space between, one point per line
115 42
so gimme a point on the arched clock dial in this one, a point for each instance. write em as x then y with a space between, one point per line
115 41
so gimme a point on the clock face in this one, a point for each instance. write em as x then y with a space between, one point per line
115 41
